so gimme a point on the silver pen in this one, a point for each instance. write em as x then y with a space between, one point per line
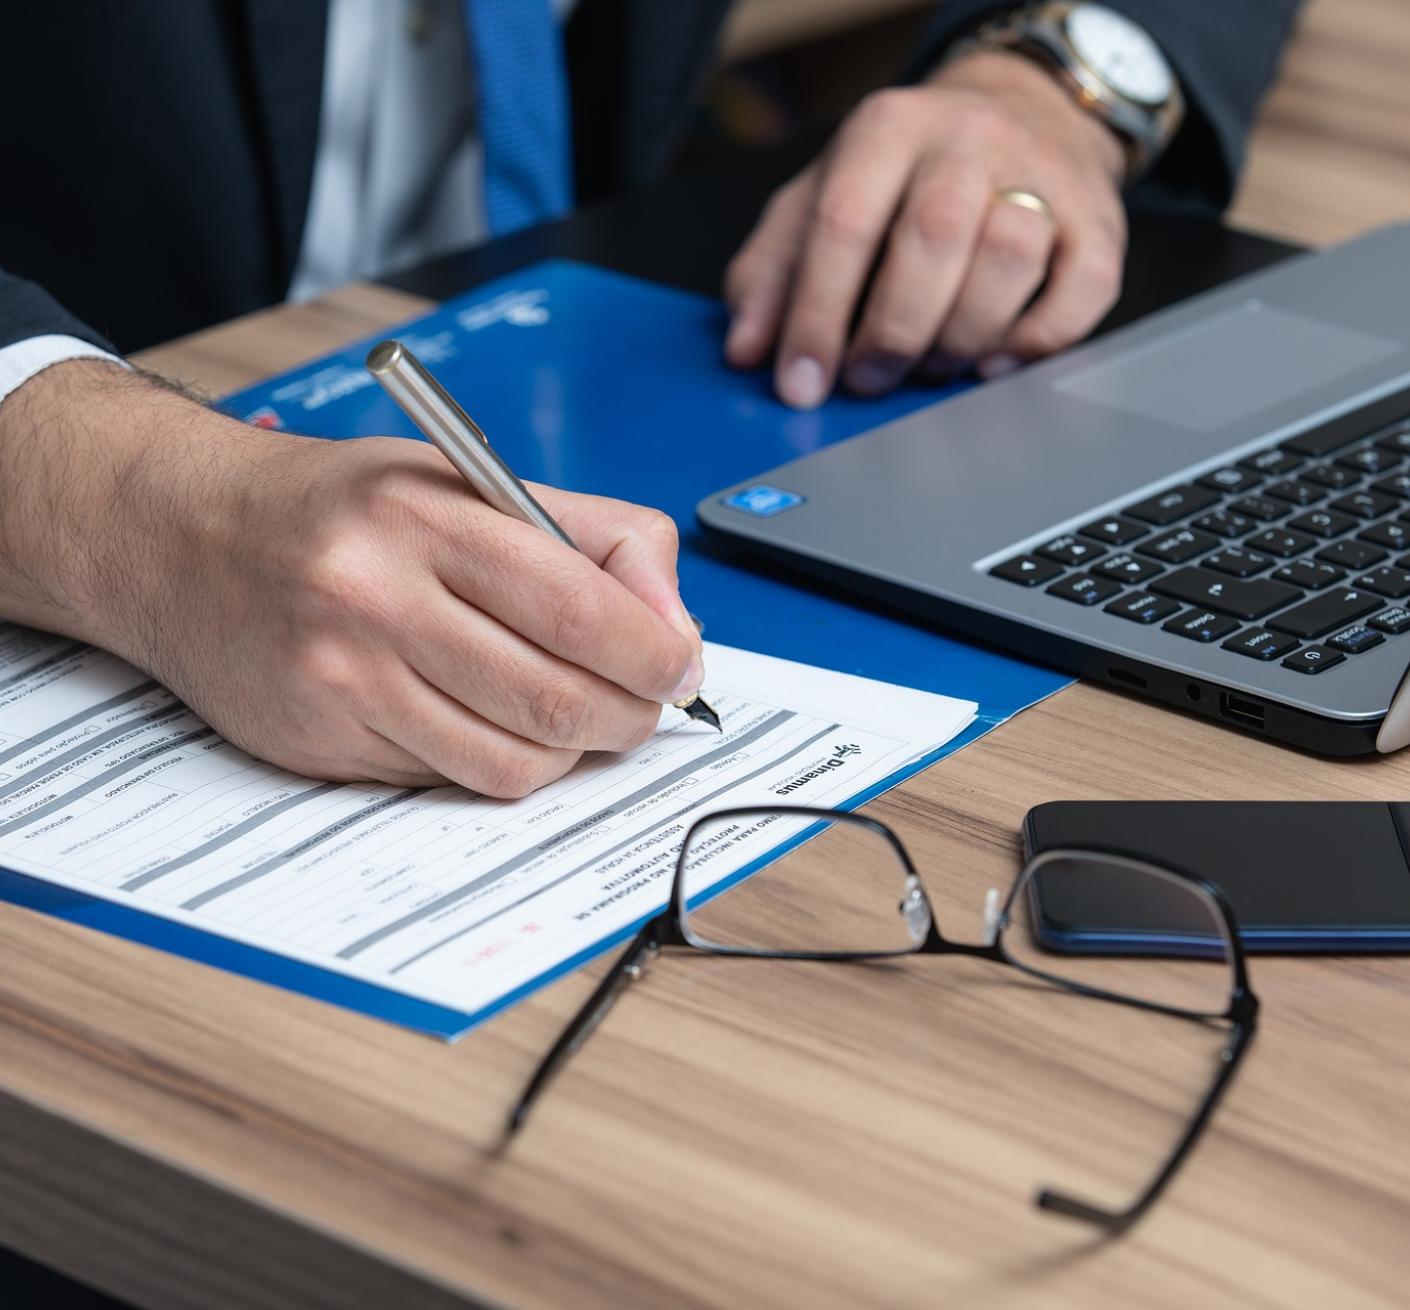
459 438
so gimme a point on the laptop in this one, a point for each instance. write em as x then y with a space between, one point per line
1210 507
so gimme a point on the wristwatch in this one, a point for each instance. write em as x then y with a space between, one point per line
1111 66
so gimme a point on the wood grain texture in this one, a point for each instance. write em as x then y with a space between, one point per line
737 1133
1330 155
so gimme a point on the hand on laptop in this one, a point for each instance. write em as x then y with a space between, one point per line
910 184
345 609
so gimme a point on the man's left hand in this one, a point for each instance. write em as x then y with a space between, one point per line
898 229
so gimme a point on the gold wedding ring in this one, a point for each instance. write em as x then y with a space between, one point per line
1013 195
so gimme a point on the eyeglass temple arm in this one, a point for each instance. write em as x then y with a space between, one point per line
1117 1221
628 967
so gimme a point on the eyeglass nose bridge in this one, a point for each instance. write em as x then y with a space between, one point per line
915 910
993 916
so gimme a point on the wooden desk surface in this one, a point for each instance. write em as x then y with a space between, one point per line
760 1134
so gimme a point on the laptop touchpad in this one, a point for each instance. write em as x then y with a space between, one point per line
1228 367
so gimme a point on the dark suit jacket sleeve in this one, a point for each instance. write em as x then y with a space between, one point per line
1226 54
27 310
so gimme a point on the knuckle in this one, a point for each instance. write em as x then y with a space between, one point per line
579 621
740 275
339 583
1099 270
516 773
941 215
841 214
558 713
886 111
324 670
1020 241
1042 337
659 529
978 121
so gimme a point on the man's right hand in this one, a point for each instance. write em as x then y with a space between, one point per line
350 609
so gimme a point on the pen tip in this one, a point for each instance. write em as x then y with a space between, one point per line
699 710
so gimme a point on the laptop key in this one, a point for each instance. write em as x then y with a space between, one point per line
1322 441
1327 612
1200 625
1394 536
1313 659
1356 639
1366 504
1244 600
1114 531
1351 554
1027 570
1279 541
1260 644
1398 484
1331 475
1388 581
1070 550
1083 589
1370 460
1272 463
1323 523
1296 492
1142 607
1224 523
1259 507
1239 563
1177 547
1170 506
1309 573
1394 620
1231 481
1398 441
1126 568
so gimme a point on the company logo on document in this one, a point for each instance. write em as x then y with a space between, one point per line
517 308
265 417
836 760
763 500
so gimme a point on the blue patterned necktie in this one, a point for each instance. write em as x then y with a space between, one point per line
523 111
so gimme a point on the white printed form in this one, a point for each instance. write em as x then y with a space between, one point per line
110 786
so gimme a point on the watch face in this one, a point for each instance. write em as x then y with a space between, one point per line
1120 53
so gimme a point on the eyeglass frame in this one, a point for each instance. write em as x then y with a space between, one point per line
670 928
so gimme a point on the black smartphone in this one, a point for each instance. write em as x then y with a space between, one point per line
1315 876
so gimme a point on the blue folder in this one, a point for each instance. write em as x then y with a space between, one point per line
597 382
601 383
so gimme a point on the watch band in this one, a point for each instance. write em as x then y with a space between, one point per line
1039 32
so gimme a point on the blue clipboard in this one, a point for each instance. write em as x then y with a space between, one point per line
601 383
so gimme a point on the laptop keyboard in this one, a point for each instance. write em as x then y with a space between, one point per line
1299 553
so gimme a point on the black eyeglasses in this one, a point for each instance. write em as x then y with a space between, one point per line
832 886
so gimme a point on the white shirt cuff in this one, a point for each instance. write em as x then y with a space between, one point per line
21 361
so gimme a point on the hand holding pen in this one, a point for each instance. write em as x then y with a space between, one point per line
427 404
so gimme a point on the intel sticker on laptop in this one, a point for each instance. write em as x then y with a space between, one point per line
763 501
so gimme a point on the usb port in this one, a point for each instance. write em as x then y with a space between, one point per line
1240 709
1130 679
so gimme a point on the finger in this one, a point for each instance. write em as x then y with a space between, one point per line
518 687
1083 285
856 199
458 744
636 545
342 752
931 247
562 602
1010 262
758 277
